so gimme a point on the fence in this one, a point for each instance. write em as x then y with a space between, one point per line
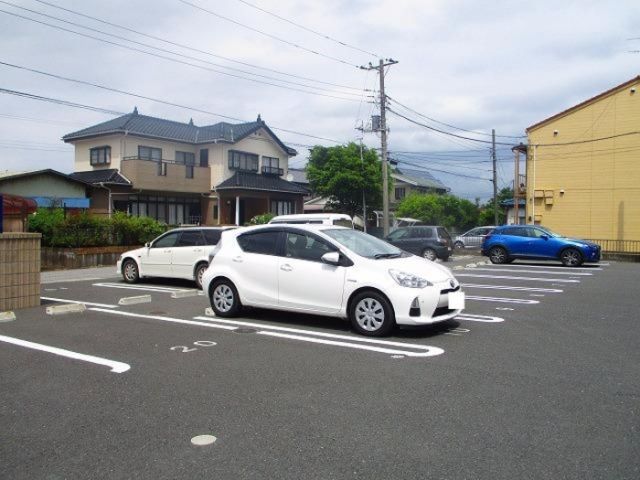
628 247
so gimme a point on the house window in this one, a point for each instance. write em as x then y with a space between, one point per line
204 157
400 193
185 158
271 165
100 155
149 153
282 207
243 161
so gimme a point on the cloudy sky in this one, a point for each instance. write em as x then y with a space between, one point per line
464 67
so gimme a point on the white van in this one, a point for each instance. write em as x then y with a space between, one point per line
340 219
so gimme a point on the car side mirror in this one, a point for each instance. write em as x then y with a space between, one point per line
148 244
544 237
331 258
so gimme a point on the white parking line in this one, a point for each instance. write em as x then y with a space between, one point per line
509 287
64 300
470 317
116 367
537 271
503 300
428 350
148 288
535 279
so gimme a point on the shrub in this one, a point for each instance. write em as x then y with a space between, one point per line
261 219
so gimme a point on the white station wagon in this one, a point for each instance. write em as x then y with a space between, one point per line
179 253
329 270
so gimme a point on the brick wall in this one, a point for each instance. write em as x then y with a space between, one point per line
19 270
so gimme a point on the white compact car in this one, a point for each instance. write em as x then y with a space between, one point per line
329 270
179 253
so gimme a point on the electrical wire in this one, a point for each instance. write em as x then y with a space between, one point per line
273 37
327 37
187 47
59 102
175 60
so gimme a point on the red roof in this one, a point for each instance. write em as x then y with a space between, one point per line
15 205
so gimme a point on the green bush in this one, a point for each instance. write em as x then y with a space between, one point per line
85 230
261 219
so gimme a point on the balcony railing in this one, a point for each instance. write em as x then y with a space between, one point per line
272 171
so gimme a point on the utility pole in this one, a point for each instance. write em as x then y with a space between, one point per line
383 140
495 177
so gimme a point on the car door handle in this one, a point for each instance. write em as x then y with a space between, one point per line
237 259
197 249
167 251
286 267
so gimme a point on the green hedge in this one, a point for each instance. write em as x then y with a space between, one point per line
85 230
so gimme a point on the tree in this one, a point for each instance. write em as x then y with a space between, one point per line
486 214
447 210
339 174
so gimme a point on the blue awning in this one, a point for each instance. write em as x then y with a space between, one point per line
68 202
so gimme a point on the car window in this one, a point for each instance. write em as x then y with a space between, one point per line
343 222
443 233
259 242
211 237
169 240
516 232
305 247
422 233
398 234
536 232
190 238
471 233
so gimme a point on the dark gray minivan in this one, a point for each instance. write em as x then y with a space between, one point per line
427 241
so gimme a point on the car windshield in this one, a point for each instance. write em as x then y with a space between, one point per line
550 233
363 244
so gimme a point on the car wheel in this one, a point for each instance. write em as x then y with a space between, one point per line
130 271
224 299
429 254
200 269
571 257
371 314
458 245
498 255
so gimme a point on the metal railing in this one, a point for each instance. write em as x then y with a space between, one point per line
619 246
266 170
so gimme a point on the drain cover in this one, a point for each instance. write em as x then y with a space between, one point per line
245 330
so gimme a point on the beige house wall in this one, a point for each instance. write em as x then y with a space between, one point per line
589 190
82 162
45 185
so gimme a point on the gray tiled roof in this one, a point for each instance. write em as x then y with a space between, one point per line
298 175
253 181
420 177
153 127
109 175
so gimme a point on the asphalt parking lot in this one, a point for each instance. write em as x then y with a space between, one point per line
539 378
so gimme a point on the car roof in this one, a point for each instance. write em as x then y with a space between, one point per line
288 226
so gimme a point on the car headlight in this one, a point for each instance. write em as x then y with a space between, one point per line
410 280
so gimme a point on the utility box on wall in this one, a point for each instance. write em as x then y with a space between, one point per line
19 270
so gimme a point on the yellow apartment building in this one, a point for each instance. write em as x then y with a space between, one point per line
583 168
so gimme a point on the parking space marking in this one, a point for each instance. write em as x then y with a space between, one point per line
521 301
509 287
554 267
116 367
537 271
508 277
162 318
470 317
64 300
148 288
294 333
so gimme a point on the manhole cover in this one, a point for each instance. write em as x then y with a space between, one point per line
245 330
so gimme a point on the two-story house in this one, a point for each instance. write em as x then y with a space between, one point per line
182 173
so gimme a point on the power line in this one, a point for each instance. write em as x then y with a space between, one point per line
327 37
175 60
445 171
273 37
452 126
113 112
176 44
442 131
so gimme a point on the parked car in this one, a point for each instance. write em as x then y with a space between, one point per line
179 253
472 238
430 242
327 270
509 242
341 219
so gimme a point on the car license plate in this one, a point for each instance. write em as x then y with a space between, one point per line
456 300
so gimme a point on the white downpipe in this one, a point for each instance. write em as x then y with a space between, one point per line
238 210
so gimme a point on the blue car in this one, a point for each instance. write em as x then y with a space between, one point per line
508 242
